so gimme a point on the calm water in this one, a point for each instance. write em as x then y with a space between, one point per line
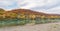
9 22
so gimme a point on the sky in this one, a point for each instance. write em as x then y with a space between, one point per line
47 6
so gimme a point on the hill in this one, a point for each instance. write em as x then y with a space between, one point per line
26 12
32 12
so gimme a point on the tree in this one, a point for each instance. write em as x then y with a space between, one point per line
2 11
43 16
21 16
33 18
11 15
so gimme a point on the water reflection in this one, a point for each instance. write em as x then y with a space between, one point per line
25 21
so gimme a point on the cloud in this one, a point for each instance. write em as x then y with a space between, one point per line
8 4
48 6
55 10
38 3
30 3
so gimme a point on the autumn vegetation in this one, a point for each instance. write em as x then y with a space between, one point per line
23 16
25 13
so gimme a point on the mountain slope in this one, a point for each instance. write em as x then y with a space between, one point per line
28 12
31 12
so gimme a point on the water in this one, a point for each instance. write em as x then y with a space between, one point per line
10 22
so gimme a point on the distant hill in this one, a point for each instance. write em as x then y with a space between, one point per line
28 11
31 12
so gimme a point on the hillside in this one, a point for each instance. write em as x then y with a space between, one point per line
32 12
16 12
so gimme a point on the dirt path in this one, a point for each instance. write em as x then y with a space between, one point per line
39 27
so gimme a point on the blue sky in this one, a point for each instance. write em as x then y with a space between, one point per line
47 6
